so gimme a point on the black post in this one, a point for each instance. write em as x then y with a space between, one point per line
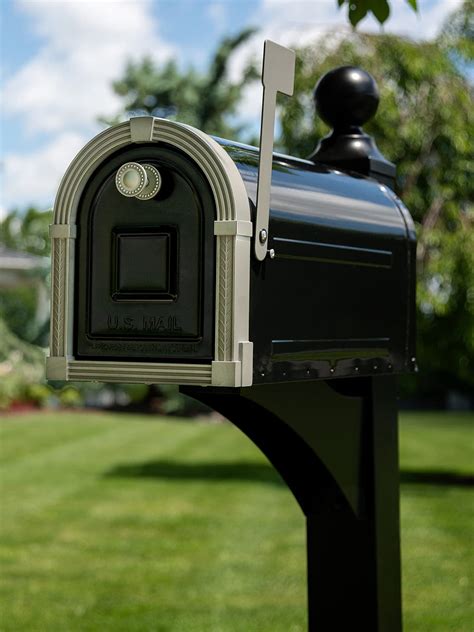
335 444
354 559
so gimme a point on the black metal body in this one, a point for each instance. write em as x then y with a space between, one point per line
331 320
335 444
346 98
146 269
337 298
336 301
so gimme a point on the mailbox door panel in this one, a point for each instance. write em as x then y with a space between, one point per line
146 267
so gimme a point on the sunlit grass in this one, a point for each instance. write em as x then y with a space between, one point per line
131 523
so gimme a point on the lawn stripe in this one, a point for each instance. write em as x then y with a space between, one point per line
44 478
137 525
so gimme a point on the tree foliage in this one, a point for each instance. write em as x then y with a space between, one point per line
207 100
457 35
26 232
21 368
21 362
425 125
357 10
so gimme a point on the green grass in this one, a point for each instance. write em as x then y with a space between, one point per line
127 523
437 512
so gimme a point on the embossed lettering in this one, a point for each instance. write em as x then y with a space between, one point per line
173 324
129 323
112 322
164 349
148 324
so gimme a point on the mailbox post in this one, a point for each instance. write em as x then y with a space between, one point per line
335 444
295 331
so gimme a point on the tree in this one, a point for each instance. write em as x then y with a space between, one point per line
27 232
207 101
457 34
357 10
21 368
425 125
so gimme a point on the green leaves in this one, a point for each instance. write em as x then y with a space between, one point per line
205 100
458 33
425 125
27 232
358 9
381 10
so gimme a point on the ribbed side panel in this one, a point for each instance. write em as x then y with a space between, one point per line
225 286
138 372
58 285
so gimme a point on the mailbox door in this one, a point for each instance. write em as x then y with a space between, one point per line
145 268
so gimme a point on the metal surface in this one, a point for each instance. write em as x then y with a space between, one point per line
346 98
277 76
335 445
153 184
230 361
337 299
146 275
155 282
131 179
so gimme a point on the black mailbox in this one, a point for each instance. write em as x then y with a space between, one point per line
151 256
335 300
155 280
287 307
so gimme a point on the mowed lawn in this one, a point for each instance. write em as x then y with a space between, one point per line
131 523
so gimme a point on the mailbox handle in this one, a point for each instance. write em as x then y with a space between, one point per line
278 75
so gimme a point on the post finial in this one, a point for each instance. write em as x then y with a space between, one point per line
346 98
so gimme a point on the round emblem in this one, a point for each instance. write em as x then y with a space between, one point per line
153 183
131 179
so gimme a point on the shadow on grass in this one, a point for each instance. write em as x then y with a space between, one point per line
260 473
175 470
436 477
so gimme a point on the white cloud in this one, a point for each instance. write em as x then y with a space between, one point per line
302 18
86 44
33 178
299 23
423 25
59 93
294 24
218 15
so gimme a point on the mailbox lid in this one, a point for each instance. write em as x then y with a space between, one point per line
337 299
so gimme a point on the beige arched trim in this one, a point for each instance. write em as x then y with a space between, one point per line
233 229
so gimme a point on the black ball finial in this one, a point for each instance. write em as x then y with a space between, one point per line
346 98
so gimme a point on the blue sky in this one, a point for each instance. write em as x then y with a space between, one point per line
59 57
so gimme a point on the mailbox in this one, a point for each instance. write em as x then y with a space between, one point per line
277 290
155 276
